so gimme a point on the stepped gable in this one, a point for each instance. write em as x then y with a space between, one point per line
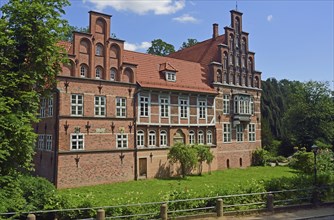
204 52
190 76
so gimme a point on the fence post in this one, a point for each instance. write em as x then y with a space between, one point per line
219 208
163 211
31 217
270 202
101 215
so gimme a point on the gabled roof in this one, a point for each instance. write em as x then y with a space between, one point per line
167 67
204 52
190 77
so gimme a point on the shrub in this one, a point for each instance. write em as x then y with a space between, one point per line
302 161
185 155
260 157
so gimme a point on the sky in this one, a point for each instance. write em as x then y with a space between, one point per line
291 39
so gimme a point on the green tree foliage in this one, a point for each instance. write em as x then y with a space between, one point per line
203 155
185 155
160 48
311 114
30 61
190 42
68 35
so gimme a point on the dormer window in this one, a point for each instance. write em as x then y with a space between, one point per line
170 76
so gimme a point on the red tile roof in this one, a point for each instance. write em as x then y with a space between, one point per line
190 76
204 52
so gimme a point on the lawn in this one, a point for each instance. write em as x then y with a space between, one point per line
153 189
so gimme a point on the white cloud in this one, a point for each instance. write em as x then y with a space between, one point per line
269 18
186 18
158 7
143 46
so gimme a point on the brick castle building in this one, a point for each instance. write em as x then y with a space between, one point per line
115 113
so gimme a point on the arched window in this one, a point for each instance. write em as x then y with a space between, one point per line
140 138
113 72
99 28
240 162
228 163
191 137
98 72
243 45
225 77
219 76
225 61
256 82
250 65
84 46
163 138
99 50
151 139
231 42
209 137
83 70
200 138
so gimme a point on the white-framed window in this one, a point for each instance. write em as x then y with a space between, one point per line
99 50
202 109
163 138
83 70
200 137
50 107
40 141
140 138
100 105
226 104
98 72
42 108
112 74
48 142
209 137
77 141
76 105
251 132
164 107
151 139
242 105
191 137
143 103
240 132
227 132
183 103
122 140
171 76
120 107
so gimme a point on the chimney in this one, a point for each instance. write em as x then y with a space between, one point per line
215 30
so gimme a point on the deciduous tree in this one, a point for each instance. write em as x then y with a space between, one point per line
185 155
190 42
160 48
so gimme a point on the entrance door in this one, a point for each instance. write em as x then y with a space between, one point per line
143 167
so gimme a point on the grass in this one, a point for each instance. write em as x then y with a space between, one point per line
152 189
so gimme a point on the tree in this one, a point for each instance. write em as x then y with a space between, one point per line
310 117
203 155
185 155
190 42
68 35
160 48
30 60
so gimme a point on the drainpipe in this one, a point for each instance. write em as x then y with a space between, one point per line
56 128
135 95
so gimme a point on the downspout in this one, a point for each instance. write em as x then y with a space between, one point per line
135 133
56 148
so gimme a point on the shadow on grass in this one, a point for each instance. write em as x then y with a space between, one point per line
179 178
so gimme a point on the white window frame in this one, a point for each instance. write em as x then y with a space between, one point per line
164 107
144 106
99 50
140 138
226 104
40 141
42 108
50 107
239 133
98 72
171 76
112 74
121 141
152 141
48 145
191 137
227 133
100 106
183 107
200 137
163 138
202 109
79 141
120 107
209 137
76 106
251 133
83 71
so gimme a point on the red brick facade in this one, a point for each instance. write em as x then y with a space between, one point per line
116 113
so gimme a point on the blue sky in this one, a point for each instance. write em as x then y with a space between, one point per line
291 39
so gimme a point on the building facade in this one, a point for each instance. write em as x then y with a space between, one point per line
115 113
